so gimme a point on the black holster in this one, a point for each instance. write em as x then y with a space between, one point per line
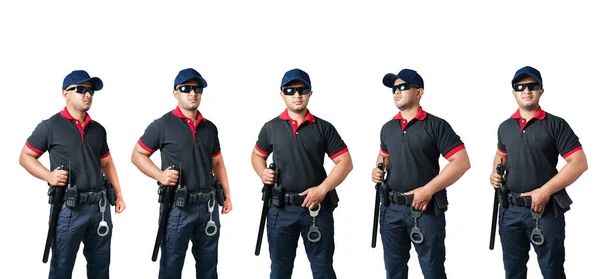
161 193
220 192
111 195
503 195
51 194
561 201
277 196
384 193
440 199
333 199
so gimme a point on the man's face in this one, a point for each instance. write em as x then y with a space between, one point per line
79 96
404 95
527 93
296 95
188 95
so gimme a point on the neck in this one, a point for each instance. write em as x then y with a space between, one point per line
79 115
528 113
191 114
298 116
409 113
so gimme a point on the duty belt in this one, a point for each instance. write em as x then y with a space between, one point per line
90 197
199 197
293 199
518 200
399 198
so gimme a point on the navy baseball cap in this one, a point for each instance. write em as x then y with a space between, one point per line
407 75
81 76
527 71
187 74
295 74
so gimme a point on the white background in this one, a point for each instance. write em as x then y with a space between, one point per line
467 54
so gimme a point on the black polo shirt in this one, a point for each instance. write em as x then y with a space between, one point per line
533 148
66 139
299 151
180 141
415 147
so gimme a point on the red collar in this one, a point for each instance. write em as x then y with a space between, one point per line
539 114
177 112
65 113
421 114
285 116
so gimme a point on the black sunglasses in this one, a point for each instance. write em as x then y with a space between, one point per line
188 88
81 90
290 91
402 87
531 86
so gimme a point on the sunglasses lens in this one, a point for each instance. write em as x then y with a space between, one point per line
198 89
289 91
184 89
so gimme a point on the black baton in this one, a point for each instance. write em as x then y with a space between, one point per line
499 171
263 216
59 192
164 216
376 212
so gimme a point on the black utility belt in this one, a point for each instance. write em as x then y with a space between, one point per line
559 201
71 196
182 197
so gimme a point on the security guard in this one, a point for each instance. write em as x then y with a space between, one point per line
305 201
529 143
73 139
414 197
187 139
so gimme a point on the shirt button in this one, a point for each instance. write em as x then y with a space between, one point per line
522 120
523 131
405 132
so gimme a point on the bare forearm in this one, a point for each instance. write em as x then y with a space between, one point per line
221 174
565 177
110 172
453 171
145 165
338 174
34 167
259 164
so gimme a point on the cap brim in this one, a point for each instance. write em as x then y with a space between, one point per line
96 83
389 80
296 79
521 76
199 79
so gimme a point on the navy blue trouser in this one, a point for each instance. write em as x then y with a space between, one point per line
396 222
515 225
74 226
283 227
187 224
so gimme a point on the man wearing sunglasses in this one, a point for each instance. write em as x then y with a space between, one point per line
74 140
299 142
529 143
186 139
415 199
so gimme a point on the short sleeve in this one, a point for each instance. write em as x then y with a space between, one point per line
151 139
566 140
216 149
335 145
104 151
501 146
263 144
38 141
448 142
382 144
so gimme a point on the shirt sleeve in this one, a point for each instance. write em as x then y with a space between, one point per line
151 139
104 151
448 142
335 145
263 144
566 140
216 150
382 141
501 146
38 141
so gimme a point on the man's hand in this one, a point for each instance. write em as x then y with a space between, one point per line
496 179
227 206
377 175
539 198
57 177
421 197
168 177
314 196
119 205
268 176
